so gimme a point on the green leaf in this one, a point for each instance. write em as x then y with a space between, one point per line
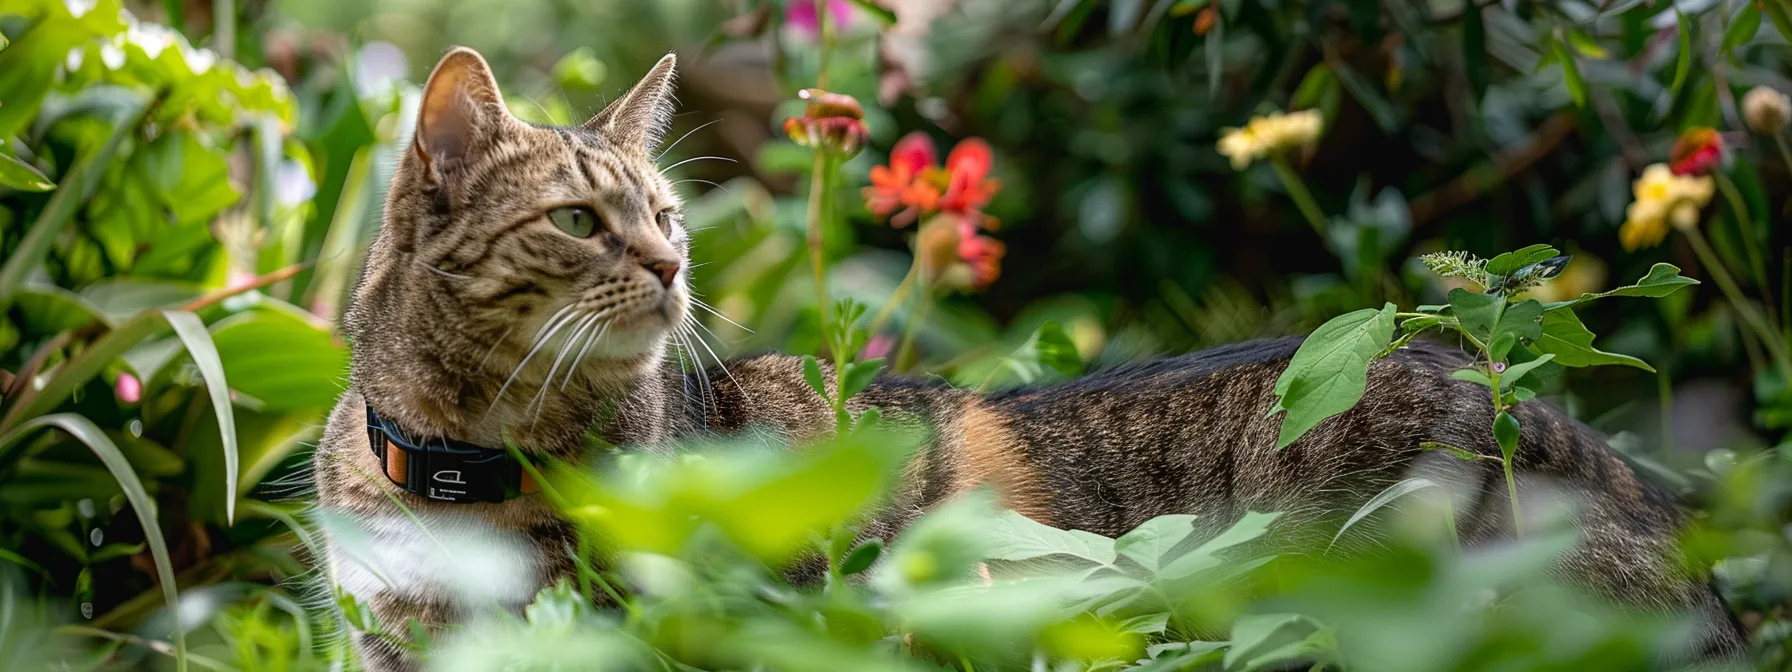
1263 640
859 376
1742 30
279 356
1569 340
198 342
1457 452
1330 371
1505 432
1477 313
1776 12
880 12
1585 45
812 376
860 558
1501 345
1314 87
145 507
1577 87
1472 375
1517 371
1506 263
1014 537
1682 61
1148 543
1523 320
1206 556
1474 50
77 185
1387 496
1661 280
21 176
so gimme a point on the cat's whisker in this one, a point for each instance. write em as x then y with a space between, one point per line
494 348
585 324
598 335
693 179
539 344
708 389
696 158
719 363
681 138
700 304
552 321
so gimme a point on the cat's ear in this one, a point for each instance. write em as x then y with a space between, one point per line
638 120
461 106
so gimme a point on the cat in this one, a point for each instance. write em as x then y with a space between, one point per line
528 281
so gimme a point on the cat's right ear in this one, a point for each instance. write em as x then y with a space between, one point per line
461 108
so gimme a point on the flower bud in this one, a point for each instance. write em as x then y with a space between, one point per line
831 122
1766 110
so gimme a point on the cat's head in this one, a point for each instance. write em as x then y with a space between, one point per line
524 235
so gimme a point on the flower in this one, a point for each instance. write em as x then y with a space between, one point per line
831 122
1766 110
128 388
801 15
1273 134
1663 198
952 254
1696 152
912 186
983 255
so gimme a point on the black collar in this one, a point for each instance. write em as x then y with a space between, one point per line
443 469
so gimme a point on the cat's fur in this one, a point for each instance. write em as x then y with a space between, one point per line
467 275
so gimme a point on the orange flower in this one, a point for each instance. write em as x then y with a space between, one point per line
897 189
1696 152
913 185
983 254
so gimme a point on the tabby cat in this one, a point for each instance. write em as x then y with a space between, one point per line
528 280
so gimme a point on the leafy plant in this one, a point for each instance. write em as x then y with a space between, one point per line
1517 342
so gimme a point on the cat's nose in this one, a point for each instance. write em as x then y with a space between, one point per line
666 269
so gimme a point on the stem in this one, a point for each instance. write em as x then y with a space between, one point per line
827 41
1505 462
1779 138
1303 199
1768 335
896 297
1746 224
818 192
905 351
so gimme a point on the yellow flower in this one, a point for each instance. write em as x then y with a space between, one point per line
1663 199
1263 136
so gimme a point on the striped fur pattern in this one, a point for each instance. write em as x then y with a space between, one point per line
475 313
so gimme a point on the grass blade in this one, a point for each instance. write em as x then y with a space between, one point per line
1393 492
199 344
86 432
77 185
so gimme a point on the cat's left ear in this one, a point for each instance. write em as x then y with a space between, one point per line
638 120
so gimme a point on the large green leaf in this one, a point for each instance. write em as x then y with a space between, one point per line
1330 371
1660 281
84 430
1275 640
198 341
1150 542
77 186
1478 313
1206 556
1505 264
1572 343
1015 537
281 358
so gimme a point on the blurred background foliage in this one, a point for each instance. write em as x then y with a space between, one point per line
186 188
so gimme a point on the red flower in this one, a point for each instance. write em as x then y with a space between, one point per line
984 255
1696 152
831 122
913 185
898 189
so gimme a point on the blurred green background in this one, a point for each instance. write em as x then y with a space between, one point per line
187 186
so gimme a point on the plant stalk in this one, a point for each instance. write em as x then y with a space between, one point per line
1303 199
817 193
1746 223
1776 346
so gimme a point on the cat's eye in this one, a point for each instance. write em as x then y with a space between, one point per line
664 219
578 222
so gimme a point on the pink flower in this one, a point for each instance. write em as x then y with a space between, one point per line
128 388
880 345
1696 152
801 16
